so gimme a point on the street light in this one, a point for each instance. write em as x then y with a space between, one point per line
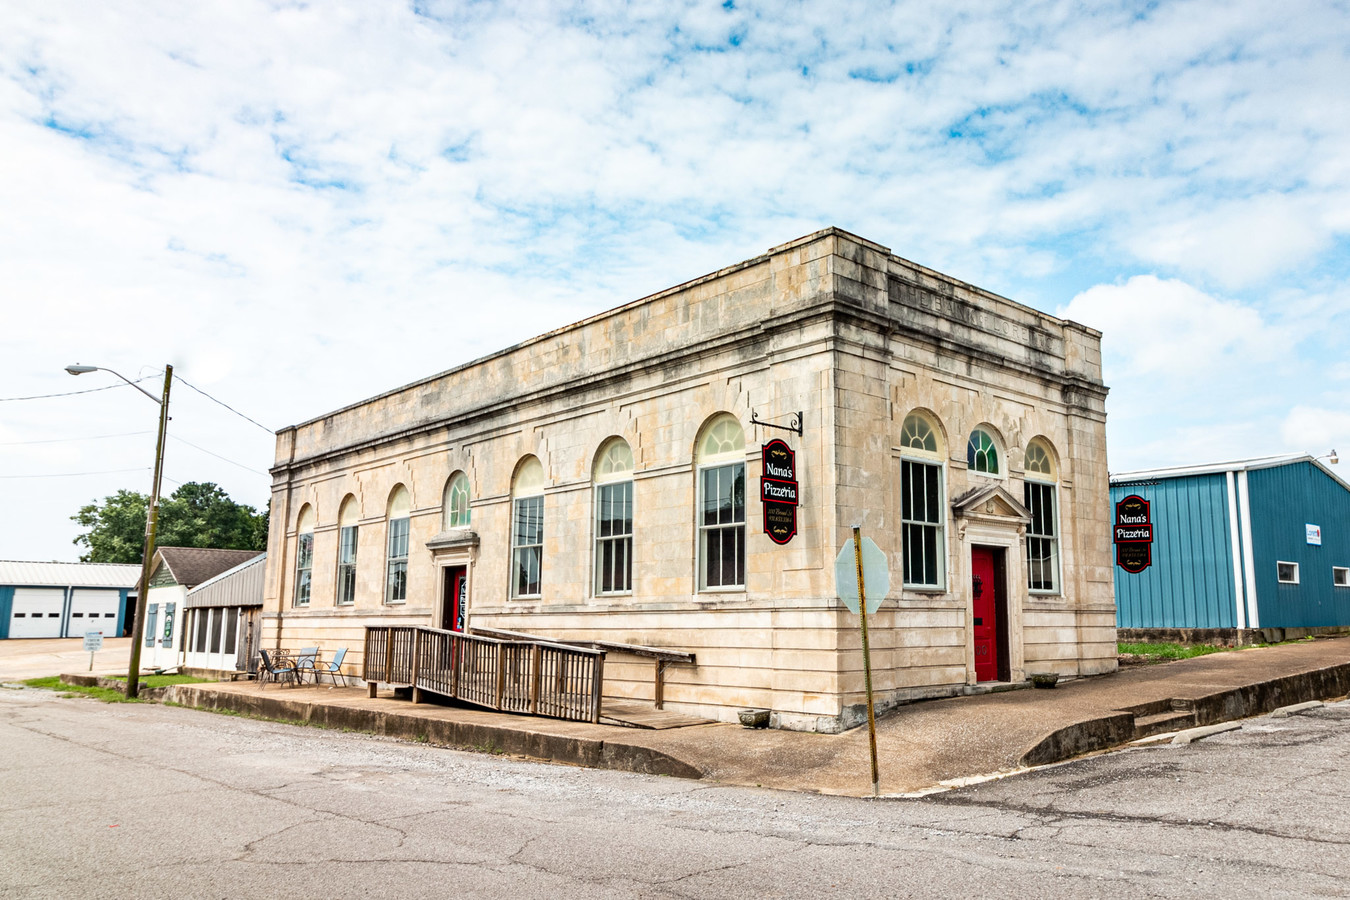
151 519
1330 457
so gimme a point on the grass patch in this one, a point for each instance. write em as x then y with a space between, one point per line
1160 652
54 683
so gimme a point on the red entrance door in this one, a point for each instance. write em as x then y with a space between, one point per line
456 593
984 589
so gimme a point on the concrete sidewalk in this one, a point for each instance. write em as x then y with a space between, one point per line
919 745
22 658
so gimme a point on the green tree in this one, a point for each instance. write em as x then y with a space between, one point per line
195 515
115 528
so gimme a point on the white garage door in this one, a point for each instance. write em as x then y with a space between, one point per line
92 610
37 612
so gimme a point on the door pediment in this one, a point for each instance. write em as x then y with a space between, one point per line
991 502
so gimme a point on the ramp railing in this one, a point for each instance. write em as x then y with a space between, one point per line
528 676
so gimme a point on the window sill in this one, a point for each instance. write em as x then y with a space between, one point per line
729 589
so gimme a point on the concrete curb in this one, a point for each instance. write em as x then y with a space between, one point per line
1191 735
113 684
1285 712
522 741
1243 702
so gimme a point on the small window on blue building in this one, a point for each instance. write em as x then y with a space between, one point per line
1340 576
1286 572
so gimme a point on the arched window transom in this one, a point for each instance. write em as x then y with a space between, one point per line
982 453
1038 461
456 511
918 434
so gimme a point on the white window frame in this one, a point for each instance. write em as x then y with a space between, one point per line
524 552
1278 579
346 568
938 528
735 527
619 543
1053 540
304 568
1340 576
397 539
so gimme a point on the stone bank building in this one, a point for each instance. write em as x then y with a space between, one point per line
605 481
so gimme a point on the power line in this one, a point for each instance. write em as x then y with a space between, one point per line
106 387
227 406
216 455
92 437
80 474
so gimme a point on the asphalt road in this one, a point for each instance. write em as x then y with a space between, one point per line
140 800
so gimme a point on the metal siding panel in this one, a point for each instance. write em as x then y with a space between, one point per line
57 574
6 599
241 586
1284 500
1190 584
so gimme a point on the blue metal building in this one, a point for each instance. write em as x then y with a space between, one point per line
57 600
1256 544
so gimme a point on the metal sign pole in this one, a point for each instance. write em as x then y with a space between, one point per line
867 659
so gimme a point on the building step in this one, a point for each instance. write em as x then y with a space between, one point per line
1158 723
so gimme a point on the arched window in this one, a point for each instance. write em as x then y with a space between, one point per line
922 504
396 553
613 478
304 555
918 434
527 528
455 503
346 566
721 505
1040 494
982 452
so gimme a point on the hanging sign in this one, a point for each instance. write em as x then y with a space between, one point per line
1314 534
778 491
1133 535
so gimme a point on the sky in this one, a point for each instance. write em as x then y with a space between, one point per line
300 205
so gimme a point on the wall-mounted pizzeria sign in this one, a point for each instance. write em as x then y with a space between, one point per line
1133 534
778 491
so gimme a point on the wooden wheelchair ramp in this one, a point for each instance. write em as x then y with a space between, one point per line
534 677
640 714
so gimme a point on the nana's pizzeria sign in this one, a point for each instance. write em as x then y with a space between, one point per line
778 491
1133 534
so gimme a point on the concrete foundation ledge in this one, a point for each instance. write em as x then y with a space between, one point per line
519 740
1243 702
1082 737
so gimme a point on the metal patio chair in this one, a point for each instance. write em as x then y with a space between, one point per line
275 669
332 668
304 662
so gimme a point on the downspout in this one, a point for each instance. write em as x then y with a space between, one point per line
1248 557
1235 551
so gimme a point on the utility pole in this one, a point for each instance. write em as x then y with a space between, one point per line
151 525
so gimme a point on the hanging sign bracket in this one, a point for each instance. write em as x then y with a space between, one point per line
794 423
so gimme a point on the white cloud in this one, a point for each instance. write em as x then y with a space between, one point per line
1165 327
1316 431
301 205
